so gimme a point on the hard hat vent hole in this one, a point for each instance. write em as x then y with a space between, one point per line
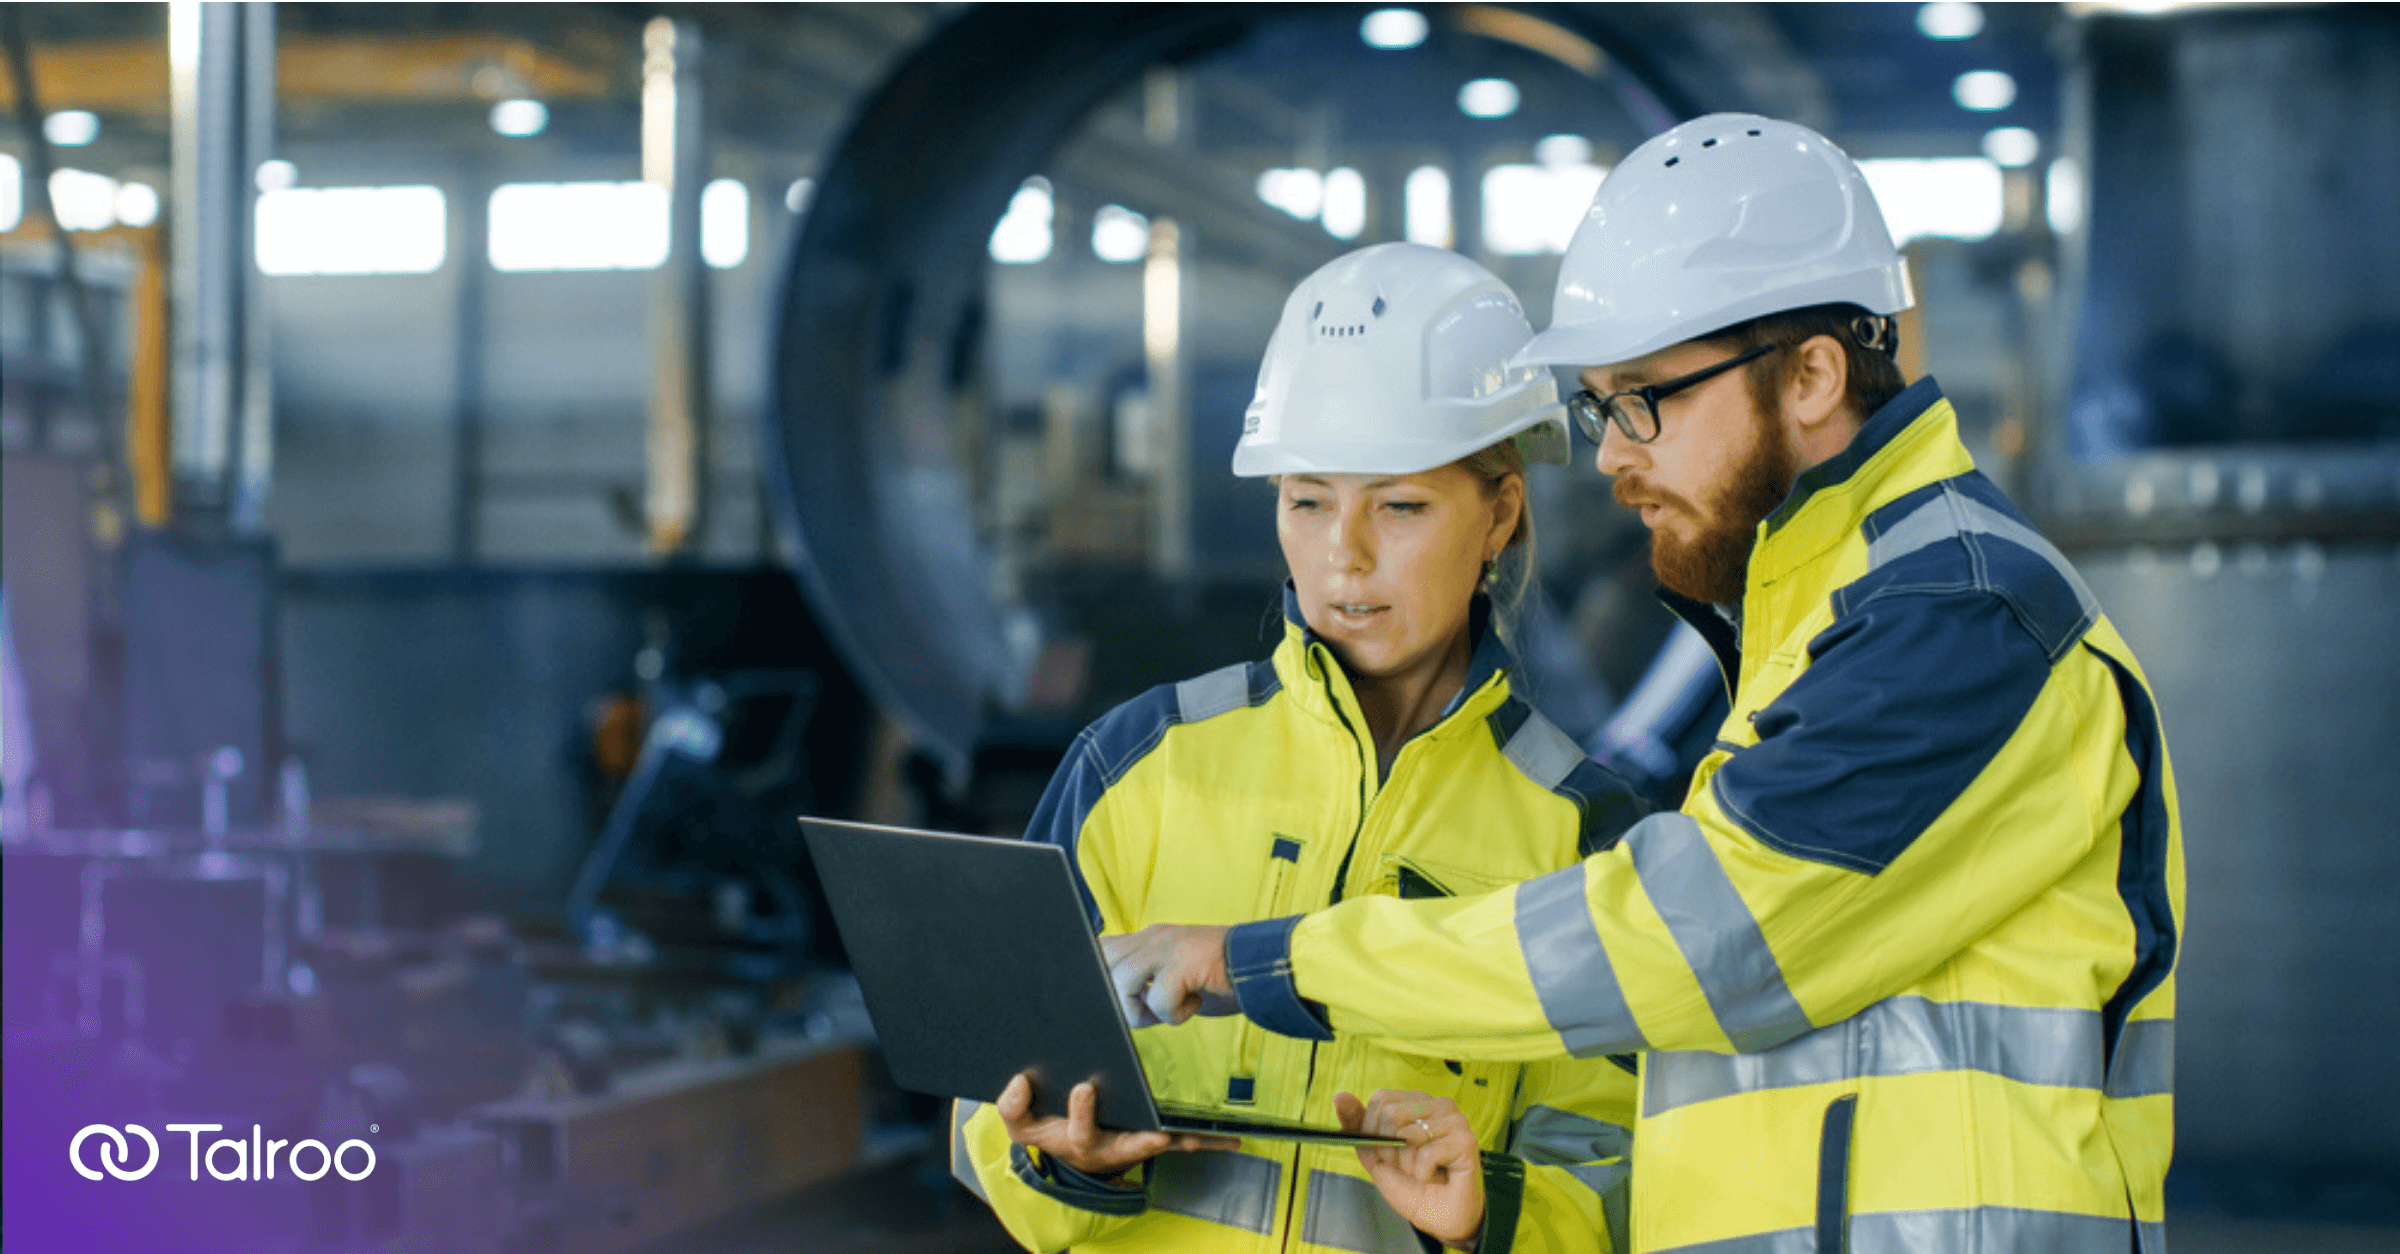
1672 160
1754 134
1708 143
1317 312
1377 310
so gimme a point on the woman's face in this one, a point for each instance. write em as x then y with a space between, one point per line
1386 565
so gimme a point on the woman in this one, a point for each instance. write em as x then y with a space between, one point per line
1397 438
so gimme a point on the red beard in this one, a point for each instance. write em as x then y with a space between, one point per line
1714 566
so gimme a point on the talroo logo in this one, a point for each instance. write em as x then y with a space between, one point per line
254 1159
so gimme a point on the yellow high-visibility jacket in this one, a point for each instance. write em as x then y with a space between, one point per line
1252 792
1903 963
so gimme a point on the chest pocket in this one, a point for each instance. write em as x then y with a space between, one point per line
1473 1085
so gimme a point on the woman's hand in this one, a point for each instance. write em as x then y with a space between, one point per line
1436 1182
1079 1141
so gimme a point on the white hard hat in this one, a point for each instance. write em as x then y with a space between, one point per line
1715 222
1395 359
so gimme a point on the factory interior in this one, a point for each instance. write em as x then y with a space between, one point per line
476 472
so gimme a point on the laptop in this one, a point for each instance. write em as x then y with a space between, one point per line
977 962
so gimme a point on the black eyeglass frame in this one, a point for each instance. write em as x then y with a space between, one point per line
1592 412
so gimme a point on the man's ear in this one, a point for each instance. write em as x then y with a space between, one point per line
1816 384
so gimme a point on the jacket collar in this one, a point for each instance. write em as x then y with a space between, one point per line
1490 656
1919 431
1880 430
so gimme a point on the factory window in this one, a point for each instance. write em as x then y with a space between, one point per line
1022 236
1426 206
352 230
83 201
1345 203
725 223
1119 234
1300 193
1530 209
12 192
578 226
1953 197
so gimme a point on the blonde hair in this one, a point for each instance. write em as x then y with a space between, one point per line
1512 575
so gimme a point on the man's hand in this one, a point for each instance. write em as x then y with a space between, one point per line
1079 1141
1436 1182
1168 972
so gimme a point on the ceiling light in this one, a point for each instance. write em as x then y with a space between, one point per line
1950 19
1984 91
275 175
2012 146
1393 28
519 119
71 128
1488 98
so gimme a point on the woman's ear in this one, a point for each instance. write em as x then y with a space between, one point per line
1508 512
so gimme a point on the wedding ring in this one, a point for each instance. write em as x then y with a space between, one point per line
1428 1129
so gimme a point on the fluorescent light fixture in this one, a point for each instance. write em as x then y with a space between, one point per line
578 226
724 223
1563 150
2012 146
1952 197
12 192
352 230
137 204
1425 206
1298 192
1022 236
520 119
83 201
1950 19
1531 209
1984 91
1119 234
1345 203
275 175
1488 98
1393 28
2066 202
797 197
71 128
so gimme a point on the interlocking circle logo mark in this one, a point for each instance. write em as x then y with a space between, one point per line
113 1151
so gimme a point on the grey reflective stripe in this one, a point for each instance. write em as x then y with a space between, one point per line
1896 1036
1346 1213
1715 931
1220 691
1217 1186
2153 1237
2144 1065
1972 1230
1549 1136
1546 754
1953 513
1570 969
962 1163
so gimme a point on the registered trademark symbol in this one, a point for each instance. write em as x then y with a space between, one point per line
374 1127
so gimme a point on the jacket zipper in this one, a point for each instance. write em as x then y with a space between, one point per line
1340 874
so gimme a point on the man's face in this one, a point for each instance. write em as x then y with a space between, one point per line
1718 467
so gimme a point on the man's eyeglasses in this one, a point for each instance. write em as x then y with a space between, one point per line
1635 410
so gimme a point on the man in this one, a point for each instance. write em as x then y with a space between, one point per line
1899 972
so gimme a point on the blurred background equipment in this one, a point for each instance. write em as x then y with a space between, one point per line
473 473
